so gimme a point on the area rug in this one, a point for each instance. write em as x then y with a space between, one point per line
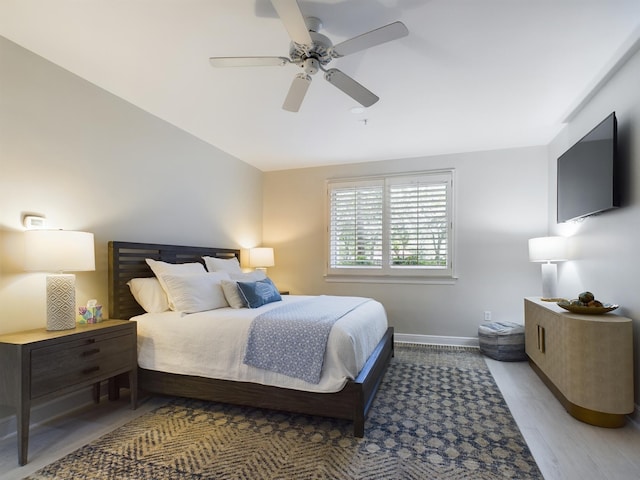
438 415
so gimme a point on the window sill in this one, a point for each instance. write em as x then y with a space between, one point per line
422 280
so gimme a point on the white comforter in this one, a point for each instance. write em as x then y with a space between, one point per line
212 344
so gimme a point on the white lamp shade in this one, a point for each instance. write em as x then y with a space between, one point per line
261 257
548 249
59 251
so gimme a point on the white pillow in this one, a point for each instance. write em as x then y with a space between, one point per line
230 287
149 294
163 268
231 265
232 294
196 292
249 276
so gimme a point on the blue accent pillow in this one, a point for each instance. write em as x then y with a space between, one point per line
261 292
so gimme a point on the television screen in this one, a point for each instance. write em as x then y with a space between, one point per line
587 173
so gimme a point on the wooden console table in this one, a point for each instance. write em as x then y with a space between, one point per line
585 360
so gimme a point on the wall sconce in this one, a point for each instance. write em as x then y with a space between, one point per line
54 252
260 258
547 250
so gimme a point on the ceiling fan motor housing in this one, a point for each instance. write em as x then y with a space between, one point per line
319 50
310 66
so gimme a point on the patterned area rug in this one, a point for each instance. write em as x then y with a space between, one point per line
438 415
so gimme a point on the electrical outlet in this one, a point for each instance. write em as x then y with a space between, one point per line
487 316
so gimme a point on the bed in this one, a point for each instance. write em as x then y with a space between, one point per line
127 260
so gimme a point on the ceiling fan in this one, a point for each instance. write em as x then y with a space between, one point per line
311 51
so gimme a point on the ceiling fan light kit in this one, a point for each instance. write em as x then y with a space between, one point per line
311 51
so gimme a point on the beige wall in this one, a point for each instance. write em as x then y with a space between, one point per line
606 259
501 202
91 161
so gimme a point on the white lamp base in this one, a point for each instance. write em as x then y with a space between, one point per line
549 282
61 301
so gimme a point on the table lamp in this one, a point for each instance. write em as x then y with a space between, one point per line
54 252
547 250
260 258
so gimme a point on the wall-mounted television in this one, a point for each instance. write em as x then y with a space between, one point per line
588 173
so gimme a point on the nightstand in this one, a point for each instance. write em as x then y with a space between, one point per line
40 364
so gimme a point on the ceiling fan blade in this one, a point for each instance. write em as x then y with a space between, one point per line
349 86
249 61
290 14
393 31
297 91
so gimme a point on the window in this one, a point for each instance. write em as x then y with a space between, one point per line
396 226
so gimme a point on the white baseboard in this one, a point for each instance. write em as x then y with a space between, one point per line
46 411
436 340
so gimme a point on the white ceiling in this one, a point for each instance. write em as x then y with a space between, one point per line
472 74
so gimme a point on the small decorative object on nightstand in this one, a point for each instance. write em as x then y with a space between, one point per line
40 364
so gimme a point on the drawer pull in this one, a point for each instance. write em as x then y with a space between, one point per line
90 370
541 339
90 352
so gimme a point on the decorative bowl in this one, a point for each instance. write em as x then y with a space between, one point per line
607 307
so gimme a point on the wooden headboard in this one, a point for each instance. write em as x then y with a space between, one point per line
127 261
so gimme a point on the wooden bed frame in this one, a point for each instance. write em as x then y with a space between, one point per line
127 261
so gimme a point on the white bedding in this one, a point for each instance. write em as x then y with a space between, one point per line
212 344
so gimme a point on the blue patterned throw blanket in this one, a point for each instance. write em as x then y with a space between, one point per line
292 338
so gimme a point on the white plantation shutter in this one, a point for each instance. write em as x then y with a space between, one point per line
418 216
398 225
355 229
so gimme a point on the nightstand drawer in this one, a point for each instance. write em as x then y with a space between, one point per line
78 361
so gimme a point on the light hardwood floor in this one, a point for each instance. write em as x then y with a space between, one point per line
56 438
564 448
